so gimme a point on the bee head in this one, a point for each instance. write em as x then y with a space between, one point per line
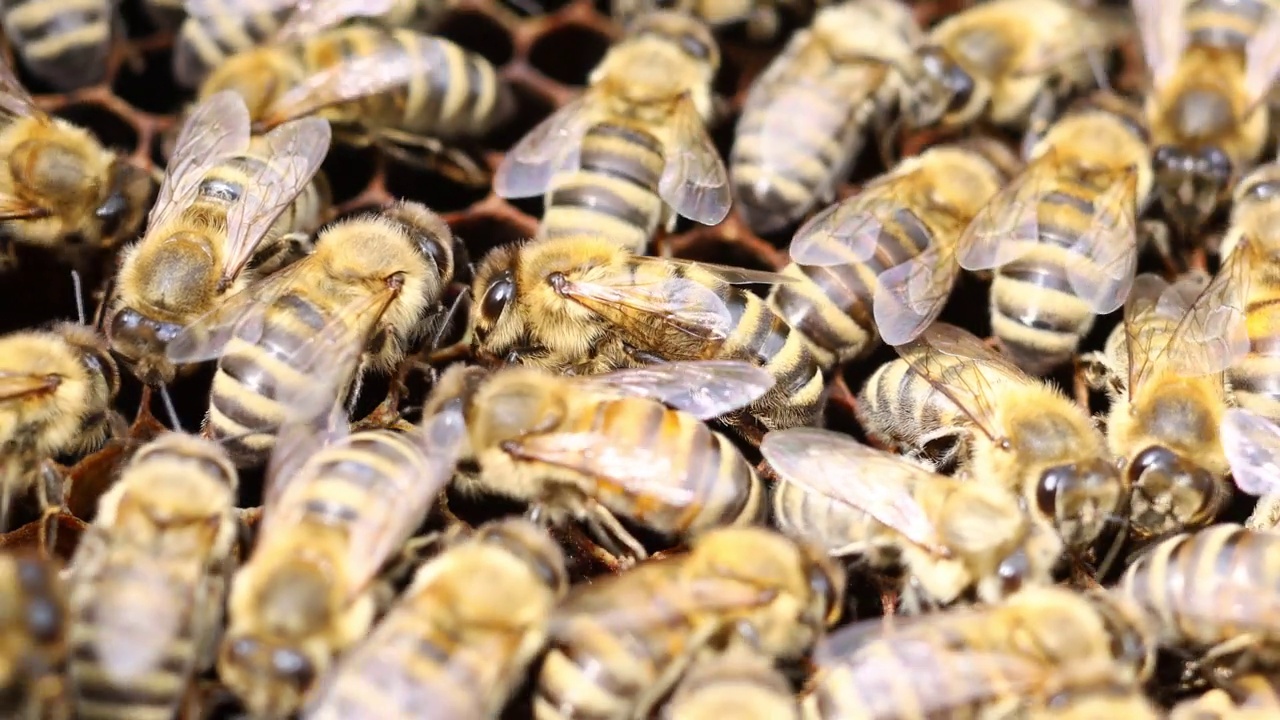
942 91
1170 493
142 341
1080 497
1190 182
269 678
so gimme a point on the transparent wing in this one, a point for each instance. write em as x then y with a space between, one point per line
910 296
1144 341
703 388
312 16
216 128
293 153
962 368
694 180
16 386
1105 256
15 101
839 468
679 599
1213 334
1262 58
1252 446
297 441
550 147
844 233
1163 35
1007 227
206 337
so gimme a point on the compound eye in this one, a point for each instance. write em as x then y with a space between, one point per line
961 86
1165 158
497 297
1217 165
821 586
694 46
293 667
1051 483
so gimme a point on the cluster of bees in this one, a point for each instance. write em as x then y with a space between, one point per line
663 419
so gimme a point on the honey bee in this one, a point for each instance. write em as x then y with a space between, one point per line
738 683
148 578
807 116
33 626
1250 697
59 187
598 447
585 305
1005 660
620 642
1110 701
64 45
882 263
456 646
951 535
1225 609
290 344
1062 238
57 387
762 17
1212 65
336 507
636 139
1168 396
229 209
950 391
1007 62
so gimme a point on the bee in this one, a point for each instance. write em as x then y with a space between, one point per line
1168 397
148 578
762 17
291 343
1249 697
59 187
636 139
807 116
1224 611
586 305
629 443
738 683
456 643
1212 65
336 507
57 387
33 628
1007 62
229 209
1062 237
620 642
951 535
64 45
950 392
1005 660
1114 700
882 263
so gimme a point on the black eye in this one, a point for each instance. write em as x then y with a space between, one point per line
1165 157
1264 190
960 85
292 666
820 585
111 213
497 297
1050 483
694 47
1217 164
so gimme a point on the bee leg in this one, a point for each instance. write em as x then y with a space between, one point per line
50 497
1266 514
611 532
1209 661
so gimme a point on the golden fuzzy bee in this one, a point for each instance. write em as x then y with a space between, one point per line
1008 62
762 17
882 263
807 116
65 45
59 187
231 207
148 580
1168 397
633 150
290 344
952 536
1211 592
1005 660
336 507
736 683
627 444
949 390
586 305
1249 697
620 642
1212 65
1062 237
33 628
459 642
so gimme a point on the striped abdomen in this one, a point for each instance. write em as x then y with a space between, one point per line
831 306
227 184
614 190
1224 24
63 43
838 528
1255 378
901 406
1035 313
203 43
725 488
1211 586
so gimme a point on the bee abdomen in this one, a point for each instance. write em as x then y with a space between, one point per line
202 46
1226 24
1255 378
830 307
456 94
1035 313
764 338
65 44
581 680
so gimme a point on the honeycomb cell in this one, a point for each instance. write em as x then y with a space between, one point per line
350 171
440 193
531 108
483 232
149 84
114 131
568 53
479 32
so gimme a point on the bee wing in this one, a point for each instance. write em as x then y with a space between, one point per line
972 392
677 302
1163 35
1252 446
298 440
681 598
206 337
216 127
312 16
14 99
16 386
909 296
1262 58
703 388
1143 343
1007 227
1213 333
293 153
550 147
1104 257
694 181
844 233
839 468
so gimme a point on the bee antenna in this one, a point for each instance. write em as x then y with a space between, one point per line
168 407
447 321
79 291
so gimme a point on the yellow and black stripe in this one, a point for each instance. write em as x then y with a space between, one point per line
65 44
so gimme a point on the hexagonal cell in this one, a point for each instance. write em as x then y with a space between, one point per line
350 170
111 129
433 189
480 33
151 87
568 53
485 231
